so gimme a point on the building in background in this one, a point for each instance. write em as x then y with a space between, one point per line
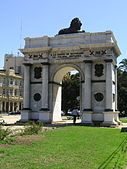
14 62
10 91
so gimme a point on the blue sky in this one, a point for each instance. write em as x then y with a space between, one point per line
34 18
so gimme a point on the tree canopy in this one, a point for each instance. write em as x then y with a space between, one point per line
70 91
122 87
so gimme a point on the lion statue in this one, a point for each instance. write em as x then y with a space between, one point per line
75 27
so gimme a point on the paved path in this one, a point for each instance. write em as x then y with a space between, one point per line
12 119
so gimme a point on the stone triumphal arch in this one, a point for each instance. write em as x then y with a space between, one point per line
48 59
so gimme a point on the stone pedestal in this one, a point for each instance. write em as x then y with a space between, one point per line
45 116
116 117
25 115
109 119
87 117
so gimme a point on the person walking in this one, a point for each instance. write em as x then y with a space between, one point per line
75 114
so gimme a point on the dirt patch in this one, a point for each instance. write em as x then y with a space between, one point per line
4 145
28 139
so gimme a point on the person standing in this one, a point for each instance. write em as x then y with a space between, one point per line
75 114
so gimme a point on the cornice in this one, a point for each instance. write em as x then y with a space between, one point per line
81 47
102 45
35 50
71 42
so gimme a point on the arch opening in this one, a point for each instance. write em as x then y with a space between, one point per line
66 91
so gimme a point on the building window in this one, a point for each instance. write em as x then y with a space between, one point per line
11 81
16 92
16 82
4 81
1 82
20 92
11 92
0 92
19 69
3 91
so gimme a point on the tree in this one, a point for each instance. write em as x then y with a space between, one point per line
123 65
122 87
70 91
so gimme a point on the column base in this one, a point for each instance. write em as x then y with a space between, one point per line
87 118
25 114
109 119
116 117
45 116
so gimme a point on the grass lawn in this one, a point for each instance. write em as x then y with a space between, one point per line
73 147
124 120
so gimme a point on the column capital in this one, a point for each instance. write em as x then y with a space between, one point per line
44 109
53 82
45 63
88 61
87 110
108 60
27 64
108 110
26 109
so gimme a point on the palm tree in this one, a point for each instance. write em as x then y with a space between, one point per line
123 65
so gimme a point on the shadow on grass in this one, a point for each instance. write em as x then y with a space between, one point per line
18 123
109 159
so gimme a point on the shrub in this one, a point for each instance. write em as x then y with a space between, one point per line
123 120
5 134
32 128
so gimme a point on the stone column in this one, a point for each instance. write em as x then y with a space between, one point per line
25 114
18 106
115 88
109 99
5 110
109 114
86 94
116 116
45 87
56 102
44 112
13 106
5 107
26 100
0 106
